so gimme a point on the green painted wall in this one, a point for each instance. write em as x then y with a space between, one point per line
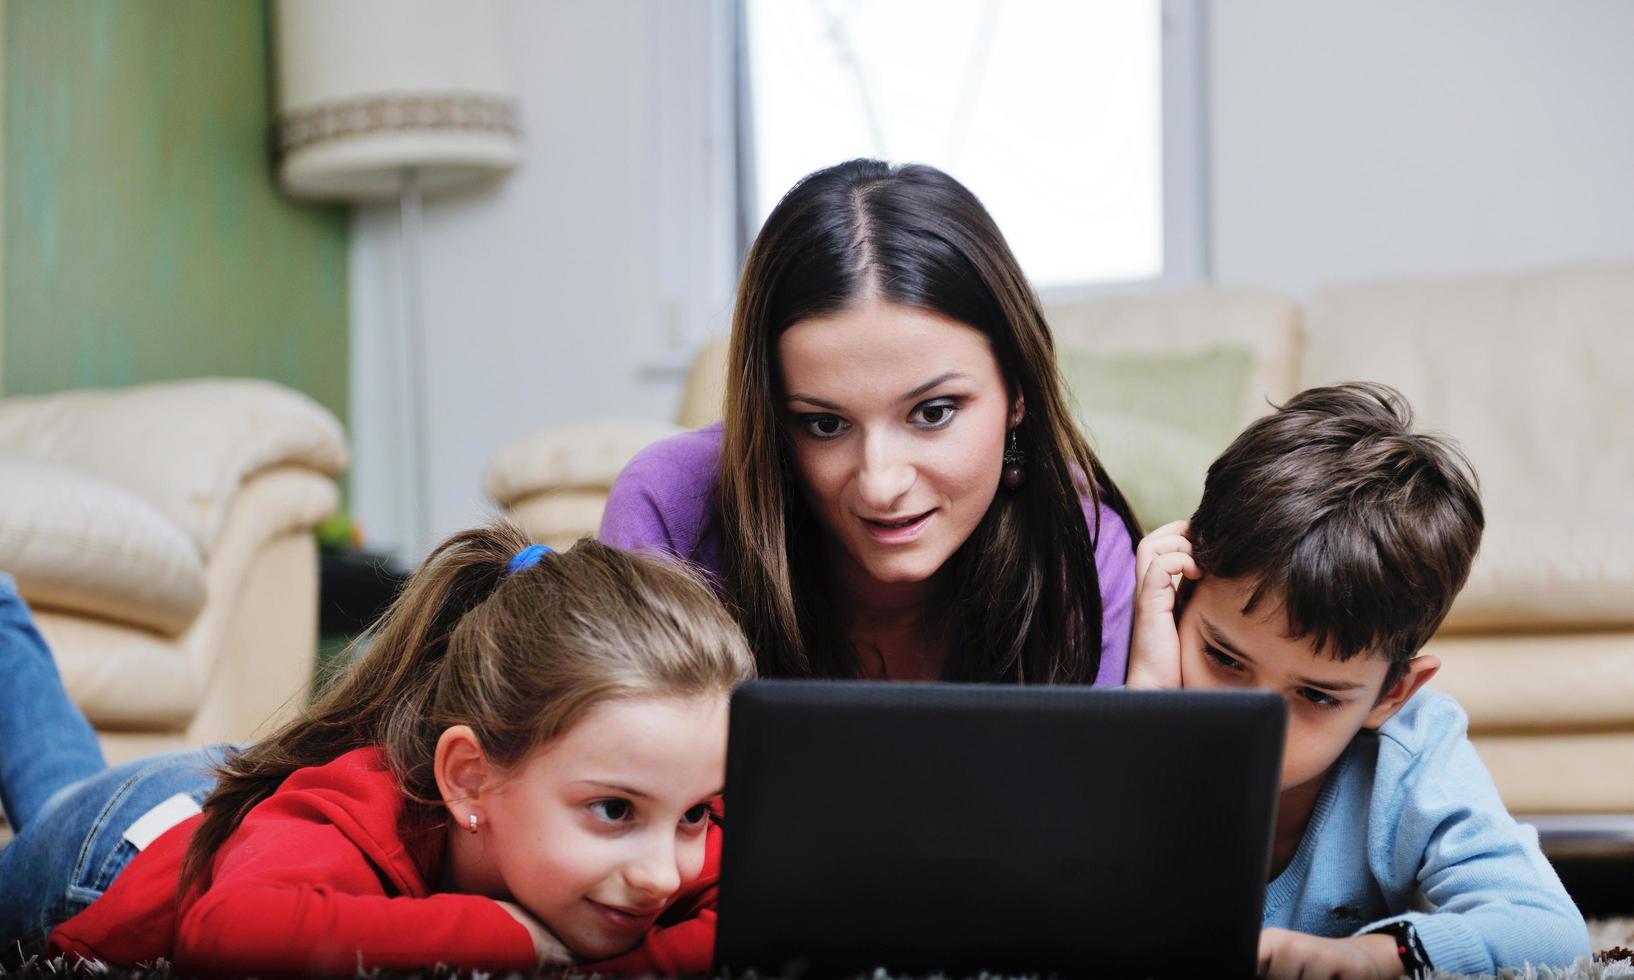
144 236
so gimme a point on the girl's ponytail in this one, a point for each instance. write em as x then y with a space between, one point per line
519 656
385 697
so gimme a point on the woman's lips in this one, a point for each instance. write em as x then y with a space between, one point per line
899 530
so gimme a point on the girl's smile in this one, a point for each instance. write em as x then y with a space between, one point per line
597 832
624 919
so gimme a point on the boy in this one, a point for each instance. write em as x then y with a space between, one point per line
1328 546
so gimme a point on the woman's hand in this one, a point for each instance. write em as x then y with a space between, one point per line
1154 644
546 946
1286 955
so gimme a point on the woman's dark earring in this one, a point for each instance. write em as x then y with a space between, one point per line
1014 473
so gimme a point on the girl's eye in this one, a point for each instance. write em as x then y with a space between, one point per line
696 816
613 811
1220 659
824 426
935 414
1318 698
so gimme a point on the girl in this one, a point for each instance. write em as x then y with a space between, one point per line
518 772
898 489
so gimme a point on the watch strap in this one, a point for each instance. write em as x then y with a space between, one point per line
1414 960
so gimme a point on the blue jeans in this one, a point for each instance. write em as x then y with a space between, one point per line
45 743
68 810
76 847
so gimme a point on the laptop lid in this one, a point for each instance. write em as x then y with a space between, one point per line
960 828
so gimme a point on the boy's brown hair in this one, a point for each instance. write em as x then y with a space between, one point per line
1362 529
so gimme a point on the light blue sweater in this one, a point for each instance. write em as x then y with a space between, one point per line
1409 826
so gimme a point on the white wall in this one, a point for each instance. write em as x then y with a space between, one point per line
1418 137
573 288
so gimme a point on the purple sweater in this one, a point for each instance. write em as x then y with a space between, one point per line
665 500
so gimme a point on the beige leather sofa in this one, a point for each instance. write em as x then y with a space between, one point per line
1532 374
163 535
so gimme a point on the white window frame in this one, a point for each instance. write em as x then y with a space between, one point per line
1185 153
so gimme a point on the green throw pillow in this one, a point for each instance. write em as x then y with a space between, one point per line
1157 420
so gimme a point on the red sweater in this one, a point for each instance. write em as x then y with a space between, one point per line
319 878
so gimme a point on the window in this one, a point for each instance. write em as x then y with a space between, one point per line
1051 111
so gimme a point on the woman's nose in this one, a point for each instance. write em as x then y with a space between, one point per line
884 475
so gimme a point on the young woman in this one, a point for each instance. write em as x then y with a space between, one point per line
519 772
898 489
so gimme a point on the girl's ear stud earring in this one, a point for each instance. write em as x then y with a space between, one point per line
471 821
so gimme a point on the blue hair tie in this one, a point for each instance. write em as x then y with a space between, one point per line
527 558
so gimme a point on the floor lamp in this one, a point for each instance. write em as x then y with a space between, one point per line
384 100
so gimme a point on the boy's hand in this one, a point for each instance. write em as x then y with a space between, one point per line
1291 955
1154 645
546 947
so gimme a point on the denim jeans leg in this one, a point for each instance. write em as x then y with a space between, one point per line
45 741
68 857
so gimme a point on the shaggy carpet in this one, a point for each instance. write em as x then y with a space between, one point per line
1612 964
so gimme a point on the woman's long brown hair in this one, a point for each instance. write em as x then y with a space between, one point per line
518 657
1024 594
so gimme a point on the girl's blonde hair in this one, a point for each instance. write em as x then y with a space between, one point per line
520 658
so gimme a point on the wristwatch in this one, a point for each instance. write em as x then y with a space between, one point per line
1414 961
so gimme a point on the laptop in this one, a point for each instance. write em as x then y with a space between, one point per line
956 829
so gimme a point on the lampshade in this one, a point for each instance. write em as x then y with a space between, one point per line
370 89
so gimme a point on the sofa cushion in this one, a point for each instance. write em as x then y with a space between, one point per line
77 542
122 678
1539 682
1157 420
1573 772
1530 375
558 518
1190 321
232 665
585 455
184 446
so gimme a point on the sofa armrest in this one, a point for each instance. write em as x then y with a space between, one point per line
579 456
185 447
77 542
246 656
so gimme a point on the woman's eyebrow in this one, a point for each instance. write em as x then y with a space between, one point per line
939 379
795 396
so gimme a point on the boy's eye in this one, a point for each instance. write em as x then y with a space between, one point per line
696 816
1220 659
934 414
824 426
1319 698
614 810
